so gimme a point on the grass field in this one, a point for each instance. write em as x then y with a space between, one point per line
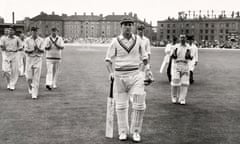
75 112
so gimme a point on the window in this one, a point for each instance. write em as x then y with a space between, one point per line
161 25
206 31
173 31
226 31
206 37
206 25
212 25
221 25
221 30
168 31
227 24
212 31
201 31
233 25
187 31
168 25
168 37
173 25
187 25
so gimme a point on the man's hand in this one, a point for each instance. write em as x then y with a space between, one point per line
111 76
188 55
49 47
196 63
174 55
3 48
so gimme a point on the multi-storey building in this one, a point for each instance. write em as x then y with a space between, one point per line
210 29
84 26
45 22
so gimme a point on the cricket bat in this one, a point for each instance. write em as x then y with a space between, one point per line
110 113
164 63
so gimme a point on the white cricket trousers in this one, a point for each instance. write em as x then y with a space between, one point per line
10 68
52 71
130 85
33 73
21 59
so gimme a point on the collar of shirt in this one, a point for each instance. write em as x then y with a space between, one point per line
53 37
121 37
36 38
13 37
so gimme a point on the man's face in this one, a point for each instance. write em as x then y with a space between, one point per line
34 33
140 32
183 39
127 27
11 31
54 33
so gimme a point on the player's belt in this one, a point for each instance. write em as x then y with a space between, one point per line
181 61
53 58
127 69
11 50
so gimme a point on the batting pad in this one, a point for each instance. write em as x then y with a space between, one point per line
122 118
136 121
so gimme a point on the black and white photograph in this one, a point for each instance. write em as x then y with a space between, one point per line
119 72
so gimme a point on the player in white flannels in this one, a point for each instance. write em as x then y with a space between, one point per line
167 61
4 36
193 63
180 71
53 45
127 53
146 43
22 56
34 49
10 46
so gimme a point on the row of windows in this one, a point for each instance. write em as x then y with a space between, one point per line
206 25
202 37
200 31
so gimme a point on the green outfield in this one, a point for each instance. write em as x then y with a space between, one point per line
75 112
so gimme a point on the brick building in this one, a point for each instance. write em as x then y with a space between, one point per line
203 28
84 26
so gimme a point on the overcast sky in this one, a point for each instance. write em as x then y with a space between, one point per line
152 10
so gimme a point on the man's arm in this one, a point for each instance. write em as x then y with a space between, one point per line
111 54
27 48
59 46
196 56
41 47
144 57
2 44
148 49
47 44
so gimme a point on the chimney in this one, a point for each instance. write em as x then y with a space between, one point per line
64 15
135 15
84 13
91 13
13 17
101 15
53 13
42 13
75 13
125 13
130 14
113 13
144 20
